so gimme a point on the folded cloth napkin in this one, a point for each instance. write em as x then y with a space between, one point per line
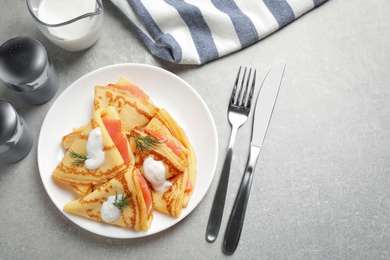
197 31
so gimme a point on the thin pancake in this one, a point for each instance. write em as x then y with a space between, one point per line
133 111
81 178
172 163
192 173
133 216
171 201
163 128
178 195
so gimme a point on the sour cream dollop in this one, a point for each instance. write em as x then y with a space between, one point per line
154 172
95 153
109 212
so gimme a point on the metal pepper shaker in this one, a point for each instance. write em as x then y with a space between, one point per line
27 71
16 139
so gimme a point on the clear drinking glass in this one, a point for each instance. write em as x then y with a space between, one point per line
73 25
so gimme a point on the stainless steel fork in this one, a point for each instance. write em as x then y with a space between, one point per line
238 111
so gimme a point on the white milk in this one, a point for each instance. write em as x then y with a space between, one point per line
76 36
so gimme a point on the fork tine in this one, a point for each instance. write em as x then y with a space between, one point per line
233 97
241 98
245 98
249 103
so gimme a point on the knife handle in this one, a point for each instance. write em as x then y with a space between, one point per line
237 216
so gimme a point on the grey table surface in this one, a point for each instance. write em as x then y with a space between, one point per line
321 188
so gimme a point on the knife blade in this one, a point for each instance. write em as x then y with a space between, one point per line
264 107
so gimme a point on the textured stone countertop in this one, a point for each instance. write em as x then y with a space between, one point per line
321 188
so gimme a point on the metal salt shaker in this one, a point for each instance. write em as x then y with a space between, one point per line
16 139
27 71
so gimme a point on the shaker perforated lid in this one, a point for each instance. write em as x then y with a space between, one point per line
22 60
8 121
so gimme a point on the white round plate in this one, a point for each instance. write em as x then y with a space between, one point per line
74 107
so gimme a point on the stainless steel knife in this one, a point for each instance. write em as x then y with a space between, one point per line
262 115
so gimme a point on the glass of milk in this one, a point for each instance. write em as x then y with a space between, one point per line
73 25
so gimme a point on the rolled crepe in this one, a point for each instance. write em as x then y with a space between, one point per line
80 177
133 110
192 173
171 201
173 164
134 216
166 125
183 178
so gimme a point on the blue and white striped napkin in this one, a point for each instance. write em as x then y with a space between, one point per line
197 31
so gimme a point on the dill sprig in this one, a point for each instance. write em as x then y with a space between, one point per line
145 144
79 157
121 203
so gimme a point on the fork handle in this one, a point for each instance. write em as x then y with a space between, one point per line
237 216
216 212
